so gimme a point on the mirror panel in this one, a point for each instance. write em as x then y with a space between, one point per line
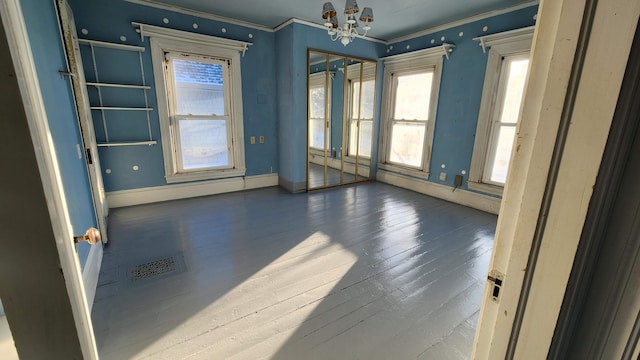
341 108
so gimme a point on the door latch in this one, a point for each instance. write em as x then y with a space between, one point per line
497 279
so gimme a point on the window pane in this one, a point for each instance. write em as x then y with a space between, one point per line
316 96
407 142
412 97
316 133
368 96
365 138
199 88
203 143
503 154
515 88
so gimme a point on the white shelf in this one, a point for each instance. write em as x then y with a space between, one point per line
116 46
119 85
128 143
115 108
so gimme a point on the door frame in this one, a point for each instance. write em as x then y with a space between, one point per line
18 40
567 111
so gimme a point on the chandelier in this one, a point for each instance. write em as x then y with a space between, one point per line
349 30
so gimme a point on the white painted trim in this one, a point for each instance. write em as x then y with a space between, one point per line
191 37
464 21
183 191
467 198
18 39
522 37
419 55
160 45
502 44
91 272
200 14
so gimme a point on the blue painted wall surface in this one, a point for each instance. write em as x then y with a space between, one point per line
48 54
293 122
108 21
461 88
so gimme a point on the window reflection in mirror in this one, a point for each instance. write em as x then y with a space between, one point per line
341 108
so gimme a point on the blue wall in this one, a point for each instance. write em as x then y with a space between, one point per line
274 89
109 20
48 54
461 88
292 102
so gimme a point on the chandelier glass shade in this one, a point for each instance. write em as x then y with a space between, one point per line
349 29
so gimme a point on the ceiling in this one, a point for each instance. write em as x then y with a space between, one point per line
392 18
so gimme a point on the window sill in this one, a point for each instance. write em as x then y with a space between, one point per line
416 173
486 188
204 175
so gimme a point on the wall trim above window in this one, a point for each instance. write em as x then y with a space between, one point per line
443 50
507 38
180 35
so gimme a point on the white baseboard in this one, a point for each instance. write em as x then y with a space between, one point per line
467 198
91 273
148 195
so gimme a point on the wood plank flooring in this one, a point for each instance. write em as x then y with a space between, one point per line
362 272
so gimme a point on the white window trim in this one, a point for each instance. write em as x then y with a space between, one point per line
353 73
315 80
415 61
169 40
501 44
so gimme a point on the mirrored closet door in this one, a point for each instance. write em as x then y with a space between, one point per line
340 117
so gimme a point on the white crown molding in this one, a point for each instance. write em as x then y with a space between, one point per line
464 21
200 14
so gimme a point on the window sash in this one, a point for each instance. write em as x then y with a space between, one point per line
353 115
496 119
425 122
319 81
175 118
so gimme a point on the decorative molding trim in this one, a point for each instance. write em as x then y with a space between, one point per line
439 50
184 191
463 21
188 36
517 36
459 196
91 272
200 14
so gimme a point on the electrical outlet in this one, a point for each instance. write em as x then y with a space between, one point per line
457 181
443 176
252 140
261 139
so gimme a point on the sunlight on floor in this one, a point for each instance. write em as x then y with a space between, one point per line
266 309
7 347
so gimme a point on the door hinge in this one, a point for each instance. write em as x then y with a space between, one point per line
89 158
498 280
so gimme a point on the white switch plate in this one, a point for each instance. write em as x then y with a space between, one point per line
443 176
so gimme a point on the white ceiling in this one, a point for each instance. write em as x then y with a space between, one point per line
392 18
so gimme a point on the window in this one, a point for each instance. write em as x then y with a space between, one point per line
507 70
317 109
360 144
199 104
411 86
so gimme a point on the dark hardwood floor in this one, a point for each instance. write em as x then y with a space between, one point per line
362 272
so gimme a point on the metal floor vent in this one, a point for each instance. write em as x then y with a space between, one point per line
153 268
